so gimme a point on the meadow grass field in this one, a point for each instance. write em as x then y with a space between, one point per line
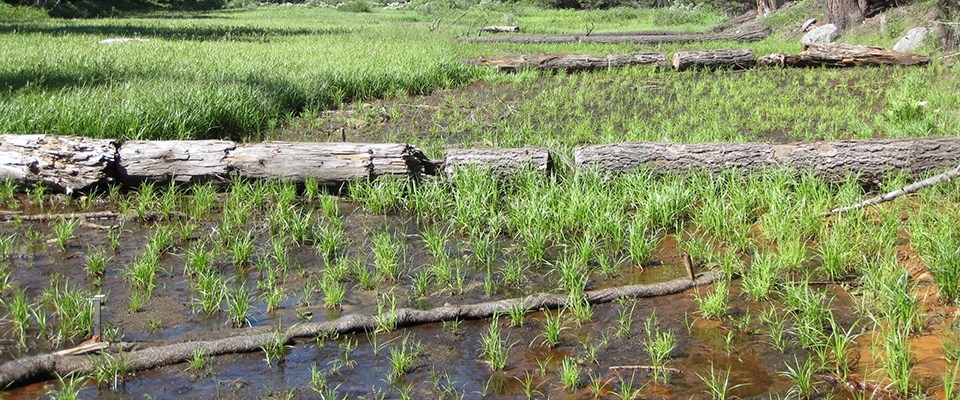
859 305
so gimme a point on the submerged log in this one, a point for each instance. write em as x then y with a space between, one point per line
45 366
63 163
749 36
870 160
569 62
500 29
714 59
840 55
501 162
328 163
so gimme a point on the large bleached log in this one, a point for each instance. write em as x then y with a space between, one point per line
180 160
871 160
569 62
502 162
64 163
714 59
328 163
749 36
840 55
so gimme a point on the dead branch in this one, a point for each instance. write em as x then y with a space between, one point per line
932 181
45 366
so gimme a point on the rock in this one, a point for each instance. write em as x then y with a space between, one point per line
123 40
820 35
912 40
806 25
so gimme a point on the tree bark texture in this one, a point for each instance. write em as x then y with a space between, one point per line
844 13
714 59
840 55
742 18
765 7
42 367
569 62
501 162
64 163
870 160
750 36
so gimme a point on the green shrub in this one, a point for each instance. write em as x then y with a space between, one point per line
358 6
20 13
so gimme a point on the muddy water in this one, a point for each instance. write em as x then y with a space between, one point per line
450 365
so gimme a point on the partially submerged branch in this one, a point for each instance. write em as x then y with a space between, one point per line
41 367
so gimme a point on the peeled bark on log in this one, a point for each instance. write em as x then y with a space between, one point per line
64 163
180 160
742 18
500 29
328 163
569 62
714 59
870 160
41 367
750 36
501 162
839 55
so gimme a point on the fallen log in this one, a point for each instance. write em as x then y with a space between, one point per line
569 62
180 160
63 163
749 36
328 163
742 18
840 55
501 162
869 160
45 366
499 29
206 160
714 59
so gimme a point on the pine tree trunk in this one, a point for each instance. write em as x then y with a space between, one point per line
845 13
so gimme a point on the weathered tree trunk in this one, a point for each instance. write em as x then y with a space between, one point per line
205 160
844 13
949 34
328 163
569 62
611 38
870 160
501 162
36 368
742 18
839 55
64 163
180 160
714 59
765 7
499 29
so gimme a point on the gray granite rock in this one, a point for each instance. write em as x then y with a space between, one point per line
912 40
820 35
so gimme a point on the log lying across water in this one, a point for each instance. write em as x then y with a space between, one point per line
679 37
871 160
42 367
714 59
569 62
840 55
64 163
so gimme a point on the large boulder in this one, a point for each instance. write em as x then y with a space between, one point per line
912 40
820 35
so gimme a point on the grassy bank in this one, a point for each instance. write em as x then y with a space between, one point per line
237 73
